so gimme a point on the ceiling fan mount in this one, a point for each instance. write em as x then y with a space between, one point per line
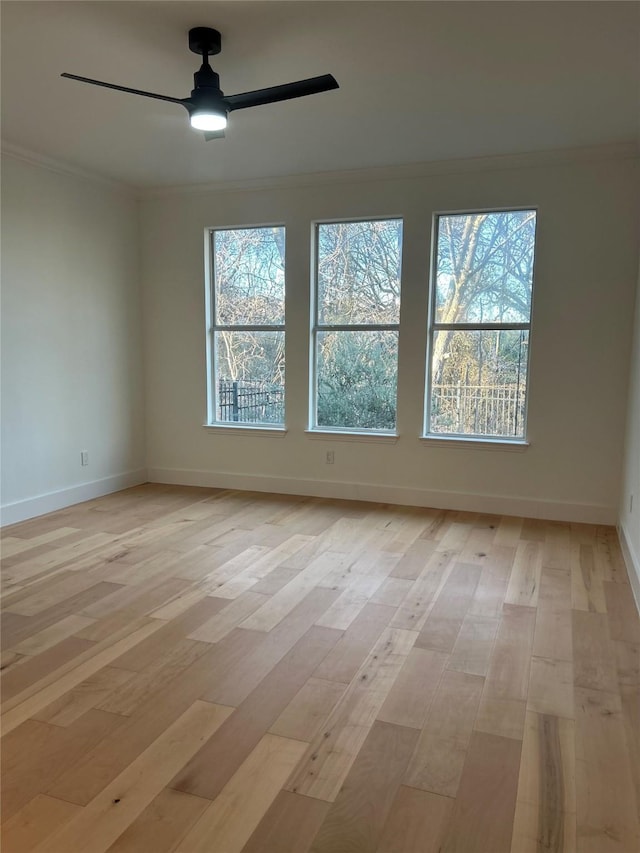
205 41
207 105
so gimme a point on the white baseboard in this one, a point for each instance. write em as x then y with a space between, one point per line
498 504
633 563
42 504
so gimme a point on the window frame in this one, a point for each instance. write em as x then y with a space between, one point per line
212 328
462 439
316 327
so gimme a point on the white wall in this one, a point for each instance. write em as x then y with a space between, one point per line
580 351
629 520
71 340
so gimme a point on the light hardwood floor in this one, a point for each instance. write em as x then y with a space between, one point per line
198 670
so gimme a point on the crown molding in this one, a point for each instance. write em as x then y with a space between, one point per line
527 160
33 158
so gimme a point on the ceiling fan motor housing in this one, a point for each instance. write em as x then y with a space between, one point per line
205 41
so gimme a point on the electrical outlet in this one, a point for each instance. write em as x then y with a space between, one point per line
331 458
84 457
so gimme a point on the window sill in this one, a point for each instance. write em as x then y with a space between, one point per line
354 435
237 429
503 444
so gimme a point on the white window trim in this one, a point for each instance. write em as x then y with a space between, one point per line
346 433
516 443
461 442
233 428
373 436
239 427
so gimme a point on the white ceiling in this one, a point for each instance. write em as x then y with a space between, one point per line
419 81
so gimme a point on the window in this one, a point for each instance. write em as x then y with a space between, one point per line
246 335
355 325
479 324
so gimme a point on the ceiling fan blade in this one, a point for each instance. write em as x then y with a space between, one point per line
213 134
311 86
126 89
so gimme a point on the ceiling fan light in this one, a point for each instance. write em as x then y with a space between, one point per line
205 120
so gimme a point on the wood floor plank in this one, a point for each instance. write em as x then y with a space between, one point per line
483 813
236 684
12 545
107 816
413 691
351 650
416 823
413 612
553 635
443 624
36 755
256 569
309 709
161 825
630 699
289 825
607 818
392 592
350 602
474 645
545 817
587 591
508 672
593 652
28 626
277 606
229 617
555 590
439 758
551 687
357 817
146 653
332 753
624 623
90 693
34 670
132 693
39 818
9 659
73 677
228 823
524 583
49 595
53 635
415 558
274 581
494 579
556 551
209 771
102 763
503 704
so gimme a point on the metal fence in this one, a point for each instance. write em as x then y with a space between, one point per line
478 409
250 401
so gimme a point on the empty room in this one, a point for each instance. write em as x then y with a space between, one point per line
320 494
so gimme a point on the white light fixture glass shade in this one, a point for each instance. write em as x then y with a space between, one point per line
203 120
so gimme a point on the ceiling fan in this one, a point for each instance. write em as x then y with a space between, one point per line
207 105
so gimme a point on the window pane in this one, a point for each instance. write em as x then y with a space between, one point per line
357 378
484 270
359 272
250 377
249 276
479 382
